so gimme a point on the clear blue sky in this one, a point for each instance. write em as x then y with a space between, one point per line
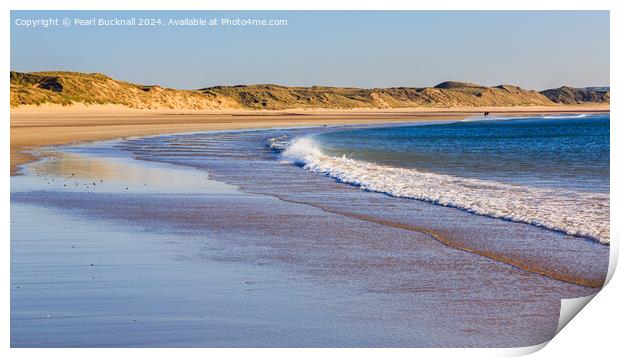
535 50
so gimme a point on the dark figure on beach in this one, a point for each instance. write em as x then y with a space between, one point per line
486 114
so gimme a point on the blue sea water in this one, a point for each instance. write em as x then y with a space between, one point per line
549 171
570 153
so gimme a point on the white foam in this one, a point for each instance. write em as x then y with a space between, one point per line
576 213
487 119
569 116
504 118
278 143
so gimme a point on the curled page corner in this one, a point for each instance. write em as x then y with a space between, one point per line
523 351
569 309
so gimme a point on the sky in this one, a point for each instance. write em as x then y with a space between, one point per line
531 49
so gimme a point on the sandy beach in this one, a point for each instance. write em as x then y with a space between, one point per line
247 247
36 126
271 178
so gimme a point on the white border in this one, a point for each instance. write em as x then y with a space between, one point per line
592 333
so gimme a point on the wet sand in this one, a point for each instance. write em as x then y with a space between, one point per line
36 126
228 247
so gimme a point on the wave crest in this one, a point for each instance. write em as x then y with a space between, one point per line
571 212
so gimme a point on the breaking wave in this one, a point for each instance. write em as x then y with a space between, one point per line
567 211
505 118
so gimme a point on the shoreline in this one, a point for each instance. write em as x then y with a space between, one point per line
241 235
33 127
295 179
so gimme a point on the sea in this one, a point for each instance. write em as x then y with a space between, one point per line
547 171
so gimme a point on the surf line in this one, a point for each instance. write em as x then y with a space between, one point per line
590 283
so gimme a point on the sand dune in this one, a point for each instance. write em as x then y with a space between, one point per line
70 88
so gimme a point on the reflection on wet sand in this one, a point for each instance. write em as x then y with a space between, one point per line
113 174
182 260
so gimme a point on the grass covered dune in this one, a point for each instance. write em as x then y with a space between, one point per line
68 88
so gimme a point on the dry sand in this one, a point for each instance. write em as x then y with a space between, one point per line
36 126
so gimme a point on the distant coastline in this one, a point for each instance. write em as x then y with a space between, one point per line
52 108
71 88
